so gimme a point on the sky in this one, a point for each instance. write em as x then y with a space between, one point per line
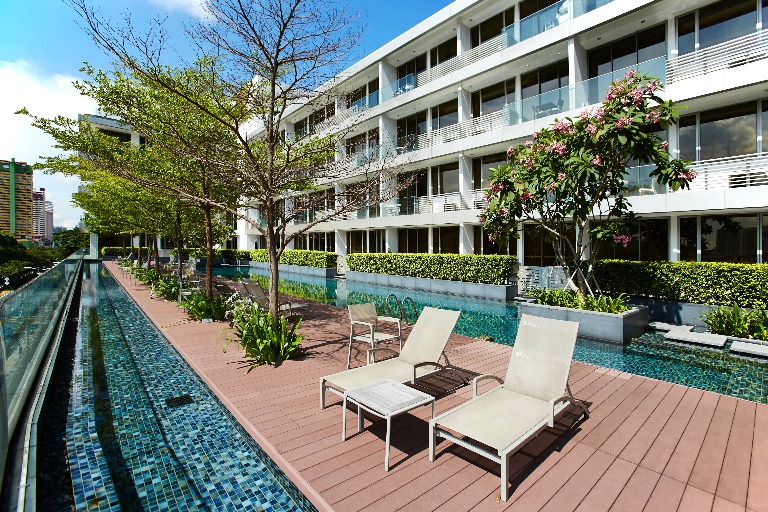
43 47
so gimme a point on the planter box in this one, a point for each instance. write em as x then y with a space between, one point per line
615 327
672 312
476 290
326 273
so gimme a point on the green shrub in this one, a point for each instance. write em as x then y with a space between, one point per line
13 269
472 268
569 299
738 322
167 287
123 251
320 259
232 254
198 307
724 284
264 339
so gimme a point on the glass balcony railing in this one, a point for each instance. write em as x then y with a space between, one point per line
638 182
548 18
594 90
369 101
402 86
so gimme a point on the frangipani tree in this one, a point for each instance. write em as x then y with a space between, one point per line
576 169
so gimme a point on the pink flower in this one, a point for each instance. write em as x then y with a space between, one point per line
623 122
689 175
584 115
562 127
591 129
597 160
528 143
652 117
528 161
561 176
665 144
622 239
652 86
526 196
510 150
599 114
497 187
630 74
557 147
535 135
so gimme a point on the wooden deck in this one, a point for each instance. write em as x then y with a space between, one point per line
647 445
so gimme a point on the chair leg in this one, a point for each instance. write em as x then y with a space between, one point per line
349 351
432 440
504 477
322 394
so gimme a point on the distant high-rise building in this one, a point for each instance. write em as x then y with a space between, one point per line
48 220
38 212
16 198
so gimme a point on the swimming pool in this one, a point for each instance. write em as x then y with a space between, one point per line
144 433
649 355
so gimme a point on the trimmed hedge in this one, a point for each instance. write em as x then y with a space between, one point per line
727 284
122 251
232 254
319 259
471 268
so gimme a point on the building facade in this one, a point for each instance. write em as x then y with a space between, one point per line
38 213
16 198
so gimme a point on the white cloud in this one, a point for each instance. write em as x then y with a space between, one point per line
45 96
194 7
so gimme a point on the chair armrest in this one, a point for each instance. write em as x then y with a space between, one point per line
373 351
388 319
360 322
552 404
425 363
480 378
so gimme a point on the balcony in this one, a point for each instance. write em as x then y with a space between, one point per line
732 172
453 202
354 109
731 54
639 183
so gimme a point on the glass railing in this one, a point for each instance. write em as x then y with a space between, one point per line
548 18
594 90
28 321
402 86
541 105
639 183
407 143
369 101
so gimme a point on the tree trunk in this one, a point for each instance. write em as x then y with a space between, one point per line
208 253
179 255
157 252
139 259
274 274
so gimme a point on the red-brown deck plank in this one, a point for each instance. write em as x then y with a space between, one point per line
646 445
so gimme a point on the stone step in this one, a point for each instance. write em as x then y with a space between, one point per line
700 338
746 347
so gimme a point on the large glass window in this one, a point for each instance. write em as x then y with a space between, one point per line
481 169
365 241
492 98
728 131
765 232
443 52
765 117
484 246
537 245
446 239
409 196
409 128
688 238
413 240
717 23
687 138
491 27
650 243
445 179
413 66
640 47
445 114
545 79
730 238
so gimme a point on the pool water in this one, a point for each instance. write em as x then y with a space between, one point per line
649 355
144 433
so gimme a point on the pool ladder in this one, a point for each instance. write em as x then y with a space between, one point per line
401 307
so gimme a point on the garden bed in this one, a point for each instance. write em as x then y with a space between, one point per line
464 289
614 327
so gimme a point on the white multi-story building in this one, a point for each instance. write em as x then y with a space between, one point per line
451 94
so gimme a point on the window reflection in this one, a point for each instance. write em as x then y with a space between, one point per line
729 238
727 132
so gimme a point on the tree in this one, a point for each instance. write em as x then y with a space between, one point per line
256 61
575 171
68 241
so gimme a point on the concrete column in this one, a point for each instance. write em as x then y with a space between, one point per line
387 136
93 247
431 240
463 38
578 69
520 244
290 133
388 187
465 174
465 105
517 22
135 138
467 238
391 240
387 77
674 238
671 38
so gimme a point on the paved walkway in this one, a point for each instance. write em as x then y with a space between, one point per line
647 445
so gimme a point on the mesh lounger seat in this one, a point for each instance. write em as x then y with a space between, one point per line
365 315
419 356
533 394
256 293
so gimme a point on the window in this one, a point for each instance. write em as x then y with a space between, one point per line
446 240
413 66
365 241
481 169
764 255
764 149
485 246
443 52
491 27
717 23
445 114
445 179
688 238
537 245
545 79
729 238
650 243
413 240
531 25
492 98
408 129
640 47
722 132
121 136
409 196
